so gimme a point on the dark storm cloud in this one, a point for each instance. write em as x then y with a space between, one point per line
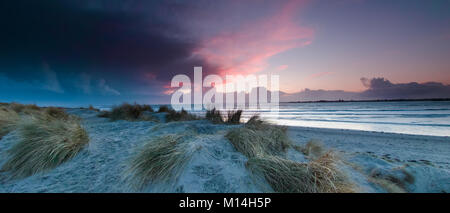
380 88
377 89
94 37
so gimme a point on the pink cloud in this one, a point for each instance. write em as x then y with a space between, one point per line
247 49
320 74
168 89
446 36
282 67
150 76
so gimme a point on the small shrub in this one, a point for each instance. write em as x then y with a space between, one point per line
46 142
161 159
214 116
182 115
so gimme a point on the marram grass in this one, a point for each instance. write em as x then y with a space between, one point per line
286 176
8 120
182 115
265 146
46 142
233 117
24 108
259 139
313 149
161 159
129 112
390 182
214 116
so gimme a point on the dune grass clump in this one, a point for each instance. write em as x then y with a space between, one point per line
286 176
255 122
182 115
313 149
163 108
265 146
56 113
249 142
162 159
92 108
24 108
8 120
253 140
128 112
46 142
214 116
233 117
394 181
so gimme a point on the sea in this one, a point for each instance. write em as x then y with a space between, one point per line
407 117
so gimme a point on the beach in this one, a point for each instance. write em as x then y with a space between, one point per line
426 157
414 163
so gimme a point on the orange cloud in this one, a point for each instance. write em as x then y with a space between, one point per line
247 49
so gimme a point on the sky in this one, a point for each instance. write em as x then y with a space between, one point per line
75 53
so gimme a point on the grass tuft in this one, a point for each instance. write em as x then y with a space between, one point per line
214 116
8 120
253 141
24 108
161 159
286 176
128 112
313 149
234 117
163 108
394 181
265 146
255 122
56 113
92 108
182 115
46 142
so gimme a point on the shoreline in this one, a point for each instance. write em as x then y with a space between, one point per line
369 155
405 147
376 100
341 130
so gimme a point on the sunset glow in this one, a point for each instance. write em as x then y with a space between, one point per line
130 51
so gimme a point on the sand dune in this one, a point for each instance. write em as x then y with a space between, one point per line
373 162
